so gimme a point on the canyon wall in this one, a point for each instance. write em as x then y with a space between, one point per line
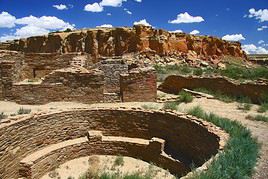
118 41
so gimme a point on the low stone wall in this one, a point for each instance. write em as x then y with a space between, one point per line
41 162
255 91
139 85
61 85
187 139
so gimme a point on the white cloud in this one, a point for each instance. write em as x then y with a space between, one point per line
253 49
8 37
176 31
234 37
261 42
106 26
46 22
142 22
186 18
33 26
95 7
109 14
28 31
195 32
127 11
61 7
262 28
7 20
138 0
113 3
261 14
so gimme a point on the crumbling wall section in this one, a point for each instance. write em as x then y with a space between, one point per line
61 85
139 85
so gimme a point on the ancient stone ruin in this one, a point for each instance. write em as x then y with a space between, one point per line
34 145
104 65
29 80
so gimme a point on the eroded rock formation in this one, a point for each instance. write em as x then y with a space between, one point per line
119 41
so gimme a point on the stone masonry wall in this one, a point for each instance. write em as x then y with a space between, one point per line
187 139
255 91
7 76
139 85
112 69
61 85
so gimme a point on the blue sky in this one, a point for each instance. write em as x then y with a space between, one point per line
244 20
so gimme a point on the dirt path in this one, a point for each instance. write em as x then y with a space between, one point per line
229 110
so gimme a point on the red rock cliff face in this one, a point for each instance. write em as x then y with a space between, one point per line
119 41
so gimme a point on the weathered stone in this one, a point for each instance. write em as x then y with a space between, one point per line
118 41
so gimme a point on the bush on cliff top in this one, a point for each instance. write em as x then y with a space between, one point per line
240 153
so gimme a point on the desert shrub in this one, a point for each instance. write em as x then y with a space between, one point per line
23 111
240 153
185 97
171 106
258 118
119 161
2 115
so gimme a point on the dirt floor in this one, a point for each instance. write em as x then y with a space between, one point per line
228 110
98 164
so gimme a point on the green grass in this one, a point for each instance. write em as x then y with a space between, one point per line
218 95
185 97
227 98
171 106
258 118
233 71
263 108
105 175
23 111
245 106
240 154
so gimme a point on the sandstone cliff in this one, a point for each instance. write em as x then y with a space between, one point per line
118 41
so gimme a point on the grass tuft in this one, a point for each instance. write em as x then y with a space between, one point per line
244 106
171 105
23 111
240 154
119 161
263 108
258 118
185 97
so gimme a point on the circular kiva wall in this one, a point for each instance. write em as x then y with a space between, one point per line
34 145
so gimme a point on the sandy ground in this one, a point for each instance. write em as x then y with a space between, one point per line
228 110
99 163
